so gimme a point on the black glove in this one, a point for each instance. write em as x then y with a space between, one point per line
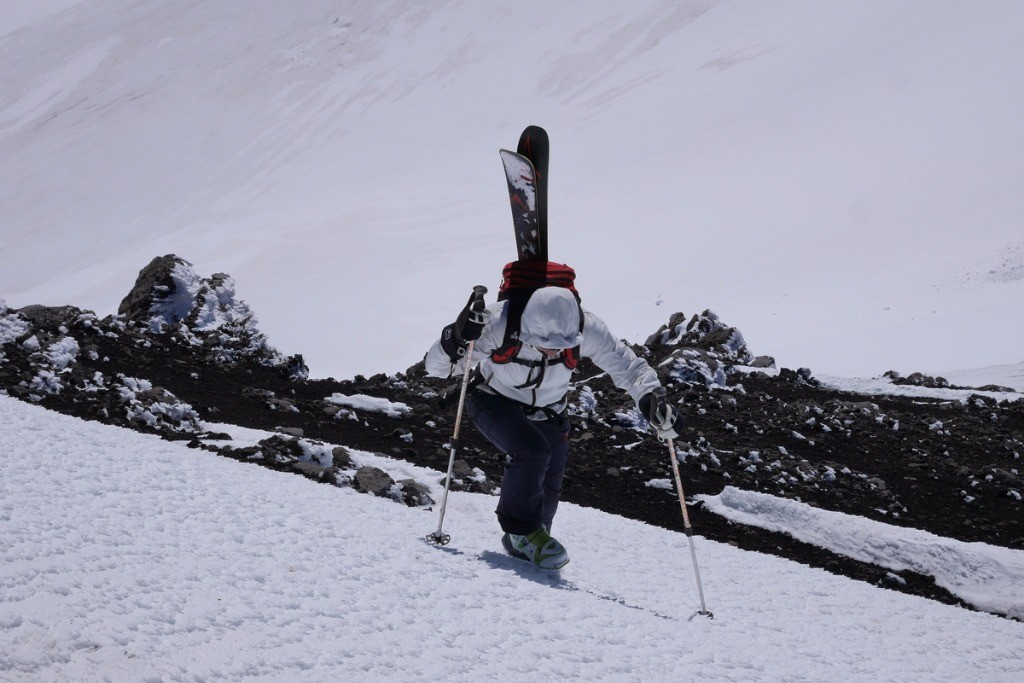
467 327
668 422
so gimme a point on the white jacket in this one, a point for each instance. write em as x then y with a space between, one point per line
550 320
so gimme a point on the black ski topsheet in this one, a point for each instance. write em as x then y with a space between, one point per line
521 176
534 145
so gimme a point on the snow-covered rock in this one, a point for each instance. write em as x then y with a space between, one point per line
701 350
12 327
169 297
154 408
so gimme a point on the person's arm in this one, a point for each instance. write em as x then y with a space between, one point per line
631 374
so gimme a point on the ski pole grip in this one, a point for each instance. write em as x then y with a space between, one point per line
472 313
478 295
475 307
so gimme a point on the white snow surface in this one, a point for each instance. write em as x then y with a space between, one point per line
840 180
989 577
125 557
882 386
1011 376
1008 377
372 404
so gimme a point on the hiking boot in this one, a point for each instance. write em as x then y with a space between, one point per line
537 547
506 541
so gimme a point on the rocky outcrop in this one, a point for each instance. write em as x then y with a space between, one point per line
47 356
702 350
917 379
57 355
170 298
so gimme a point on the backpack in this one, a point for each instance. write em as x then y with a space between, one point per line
519 280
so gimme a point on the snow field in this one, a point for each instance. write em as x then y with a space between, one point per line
125 557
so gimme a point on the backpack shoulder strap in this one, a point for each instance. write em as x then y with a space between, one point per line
572 356
515 304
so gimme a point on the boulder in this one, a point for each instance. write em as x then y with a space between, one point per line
342 459
467 478
281 449
373 480
415 494
311 470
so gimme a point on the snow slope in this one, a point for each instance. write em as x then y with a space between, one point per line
839 180
989 577
1001 375
125 557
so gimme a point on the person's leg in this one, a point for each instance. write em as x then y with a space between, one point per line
521 507
556 432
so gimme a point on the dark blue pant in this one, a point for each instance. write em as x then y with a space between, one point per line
537 451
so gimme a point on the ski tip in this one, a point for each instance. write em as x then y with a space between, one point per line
509 153
518 162
534 144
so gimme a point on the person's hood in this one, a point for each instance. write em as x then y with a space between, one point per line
551 319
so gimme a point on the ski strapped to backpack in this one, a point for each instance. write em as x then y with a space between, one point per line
520 279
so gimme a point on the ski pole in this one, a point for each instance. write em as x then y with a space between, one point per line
439 537
687 528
